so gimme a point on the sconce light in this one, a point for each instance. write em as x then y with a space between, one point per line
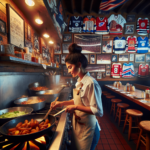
51 42
45 34
39 20
30 2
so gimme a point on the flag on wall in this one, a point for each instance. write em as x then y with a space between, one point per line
107 5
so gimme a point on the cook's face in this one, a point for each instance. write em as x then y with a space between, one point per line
72 69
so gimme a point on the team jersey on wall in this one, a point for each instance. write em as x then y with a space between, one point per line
128 70
89 24
143 70
142 26
116 24
131 44
142 45
116 70
75 24
102 26
119 45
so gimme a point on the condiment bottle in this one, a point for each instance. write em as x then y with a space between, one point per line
128 87
147 93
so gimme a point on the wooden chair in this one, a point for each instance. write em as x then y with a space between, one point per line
130 113
108 100
121 108
144 126
113 105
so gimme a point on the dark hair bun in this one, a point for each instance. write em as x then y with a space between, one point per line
74 48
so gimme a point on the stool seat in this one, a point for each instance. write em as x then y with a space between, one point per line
110 96
134 112
107 94
116 100
122 105
104 92
145 125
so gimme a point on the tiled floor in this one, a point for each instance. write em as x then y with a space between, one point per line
111 138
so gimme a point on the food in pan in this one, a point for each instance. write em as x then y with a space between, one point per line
12 114
39 88
32 101
29 127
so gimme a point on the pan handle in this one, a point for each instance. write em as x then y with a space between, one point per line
59 112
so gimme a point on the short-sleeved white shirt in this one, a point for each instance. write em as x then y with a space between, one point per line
91 94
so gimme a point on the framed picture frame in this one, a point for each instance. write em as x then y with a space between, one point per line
87 56
36 42
29 45
99 75
92 58
93 74
108 66
95 68
57 49
131 58
147 57
107 46
108 72
114 58
90 43
129 28
103 59
2 27
131 18
65 71
57 59
65 47
67 37
16 24
103 74
29 33
123 57
63 58
139 58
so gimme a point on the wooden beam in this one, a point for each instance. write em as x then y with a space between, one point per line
72 6
143 7
82 6
96 5
91 4
116 10
134 5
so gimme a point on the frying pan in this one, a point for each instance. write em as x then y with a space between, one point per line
27 110
12 123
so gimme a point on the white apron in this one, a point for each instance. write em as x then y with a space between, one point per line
83 125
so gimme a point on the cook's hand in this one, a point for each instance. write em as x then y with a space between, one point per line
70 108
54 105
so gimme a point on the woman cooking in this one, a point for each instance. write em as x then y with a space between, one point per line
86 103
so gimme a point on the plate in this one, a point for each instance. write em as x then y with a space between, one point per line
144 101
129 95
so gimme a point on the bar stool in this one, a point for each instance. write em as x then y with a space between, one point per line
104 98
119 112
104 92
108 100
113 105
130 113
144 126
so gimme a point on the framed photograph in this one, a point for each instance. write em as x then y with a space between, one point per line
36 42
107 46
147 57
45 53
93 74
114 58
103 74
65 71
87 56
131 18
90 43
123 57
63 58
103 59
129 28
106 36
108 73
92 58
57 59
29 33
139 58
131 57
65 47
108 66
99 75
16 24
2 27
29 45
57 49
67 37
95 68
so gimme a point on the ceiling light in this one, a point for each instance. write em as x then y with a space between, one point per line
30 2
46 35
38 21
51 42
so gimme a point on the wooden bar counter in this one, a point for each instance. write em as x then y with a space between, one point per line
134 96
